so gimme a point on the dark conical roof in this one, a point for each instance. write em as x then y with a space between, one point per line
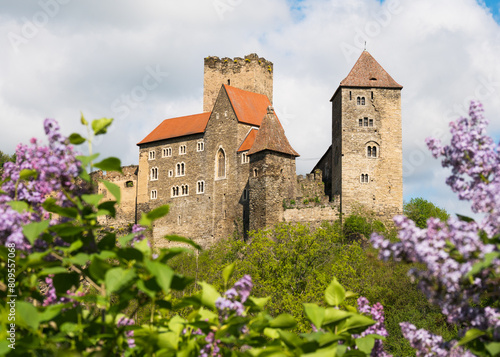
271 136
367 72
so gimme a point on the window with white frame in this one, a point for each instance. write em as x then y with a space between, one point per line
200 146
175 191
200 187
152 155
182 149
185 190
372 150
167 152
364 178
221 164
360 100
180 169
170 173
154 173
154 194
245 159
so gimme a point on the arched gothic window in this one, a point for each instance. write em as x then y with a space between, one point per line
221 164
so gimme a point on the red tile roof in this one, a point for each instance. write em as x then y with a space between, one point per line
176 127
367 72
271 136
249 107
249 140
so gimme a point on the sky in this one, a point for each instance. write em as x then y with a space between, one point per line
141 62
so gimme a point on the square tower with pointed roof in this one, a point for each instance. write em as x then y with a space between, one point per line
366 152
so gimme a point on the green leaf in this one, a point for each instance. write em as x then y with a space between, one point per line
335 293
208 295
259 302
114 189
82 120
50 312
163 274
227 272
98 268
85 160
143 247
80 259
18 206
109 164
356 323
100 126
65 281
148 218
26 174
471 335
108 242
176 238
465 218
481 265
315 313
283 321
365 344
27 315
118 278
493 348
53 270
33 230
107 208
92 200
76 139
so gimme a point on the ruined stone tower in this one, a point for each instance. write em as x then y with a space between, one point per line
366 151
251 73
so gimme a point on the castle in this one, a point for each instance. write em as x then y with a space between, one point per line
231 167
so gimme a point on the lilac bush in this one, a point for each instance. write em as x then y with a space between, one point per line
376 312
39 172
461 256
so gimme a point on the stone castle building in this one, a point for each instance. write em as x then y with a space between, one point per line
231 167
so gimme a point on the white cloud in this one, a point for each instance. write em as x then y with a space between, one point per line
87 55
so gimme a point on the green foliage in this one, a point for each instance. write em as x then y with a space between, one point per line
420 210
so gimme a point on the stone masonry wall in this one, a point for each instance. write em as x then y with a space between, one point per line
251 73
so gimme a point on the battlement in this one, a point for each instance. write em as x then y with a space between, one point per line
251 73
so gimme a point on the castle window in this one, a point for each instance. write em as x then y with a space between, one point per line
182 149
360 122
152 155
167 152
170 173
371 151
365 121
129 184
360 100
154 174
200 187
364 178
245 194
255 172
175 191
221 164
245 159
372 95
350 95
370 122
180 169
185 190
154 194
200 146
228 82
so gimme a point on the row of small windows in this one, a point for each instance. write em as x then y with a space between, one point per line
365 122
167 152
177 191
180 170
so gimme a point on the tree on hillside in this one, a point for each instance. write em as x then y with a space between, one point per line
420 210
5 158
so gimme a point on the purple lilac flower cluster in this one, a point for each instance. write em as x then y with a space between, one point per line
124 321
212 347
56 169
137 230
450 249
376 312
229 303
51 295
429 345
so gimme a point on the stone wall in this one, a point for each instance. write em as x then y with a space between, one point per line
251 73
